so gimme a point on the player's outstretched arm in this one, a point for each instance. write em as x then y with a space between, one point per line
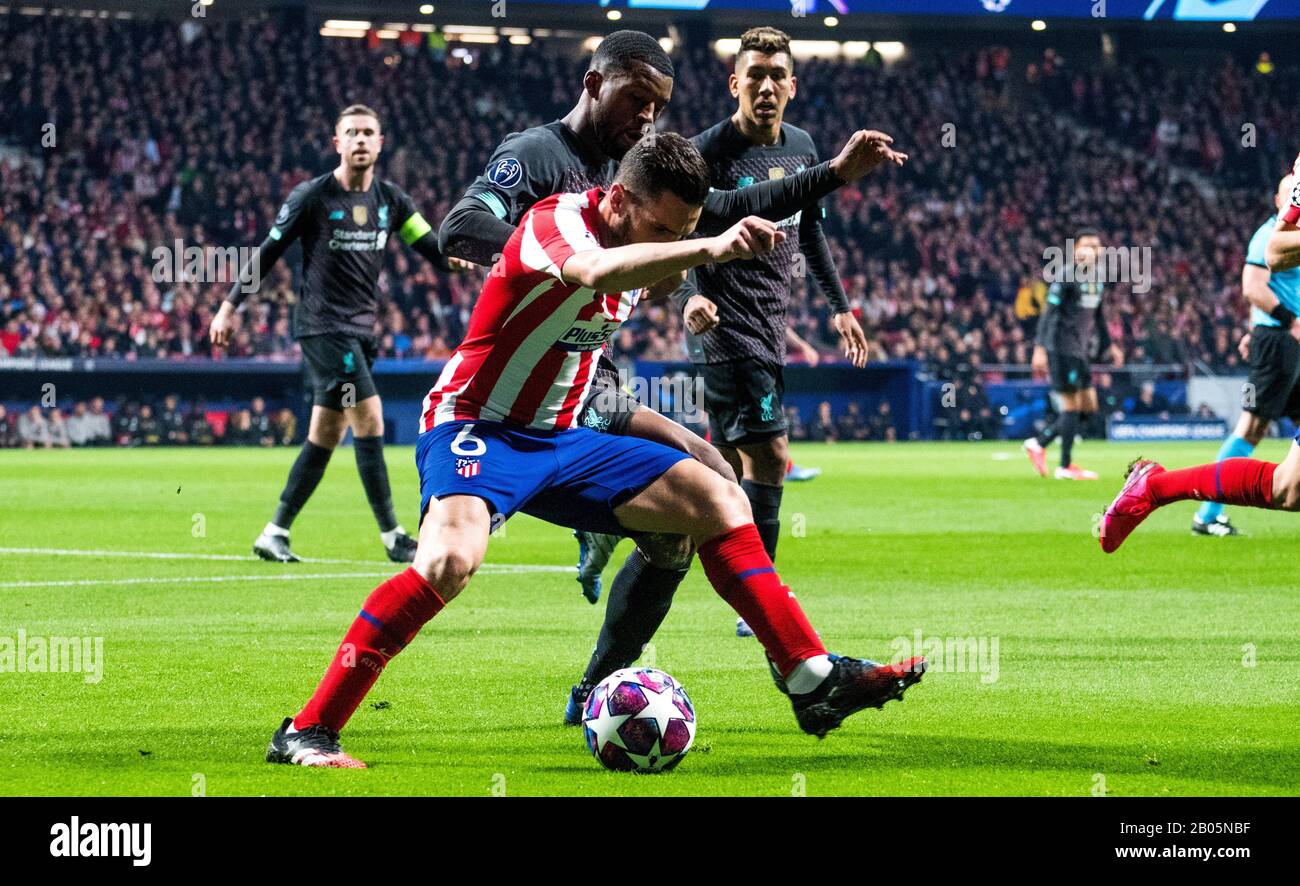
639 265
780 198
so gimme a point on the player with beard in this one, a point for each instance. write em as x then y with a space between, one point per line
625 89
500 435
343 219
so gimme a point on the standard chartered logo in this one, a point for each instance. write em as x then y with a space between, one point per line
357 241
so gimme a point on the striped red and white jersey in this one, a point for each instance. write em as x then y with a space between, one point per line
533 341
1291 212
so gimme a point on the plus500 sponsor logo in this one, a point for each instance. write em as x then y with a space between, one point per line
588 336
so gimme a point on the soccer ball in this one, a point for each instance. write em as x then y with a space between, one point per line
639 720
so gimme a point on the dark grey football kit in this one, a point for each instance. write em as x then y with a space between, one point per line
343 235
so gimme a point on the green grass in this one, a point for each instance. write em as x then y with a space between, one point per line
1127 666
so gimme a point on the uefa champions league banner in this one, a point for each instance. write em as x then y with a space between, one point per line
1151 10
1141 429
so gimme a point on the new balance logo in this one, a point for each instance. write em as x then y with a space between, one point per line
91 840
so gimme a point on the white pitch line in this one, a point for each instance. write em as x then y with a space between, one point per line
160 555
499 569
510 568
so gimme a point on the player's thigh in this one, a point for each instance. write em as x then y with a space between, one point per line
366 418
327 427
689 499
453 542
650 425
1088 399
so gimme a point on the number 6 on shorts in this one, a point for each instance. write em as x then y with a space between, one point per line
467 444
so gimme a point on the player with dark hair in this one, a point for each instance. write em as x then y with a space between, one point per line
624 91
1232 481
737 319
736 316
500 434
343 220
1274 354
1071 331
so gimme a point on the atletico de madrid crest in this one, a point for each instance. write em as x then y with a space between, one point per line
467 467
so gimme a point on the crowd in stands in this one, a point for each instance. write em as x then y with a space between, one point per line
134 423
849 425
143 134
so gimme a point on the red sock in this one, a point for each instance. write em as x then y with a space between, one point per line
1233 481
390 618
743 575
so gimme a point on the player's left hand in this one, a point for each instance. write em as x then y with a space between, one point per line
1116 355
1243 346
852 339
700 314
459 265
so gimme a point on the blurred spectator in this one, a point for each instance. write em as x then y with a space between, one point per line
285 426
259 424
850 426
822 428
59 438
240 430
1150 402
8 429
34 429
148 429
795 429
882 424
172 421
198 428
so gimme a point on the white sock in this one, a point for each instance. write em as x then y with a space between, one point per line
390 537
272 529
808 674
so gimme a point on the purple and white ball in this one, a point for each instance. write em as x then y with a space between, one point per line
639 720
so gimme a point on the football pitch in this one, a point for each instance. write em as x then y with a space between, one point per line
1168 668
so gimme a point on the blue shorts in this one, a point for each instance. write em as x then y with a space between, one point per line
574 478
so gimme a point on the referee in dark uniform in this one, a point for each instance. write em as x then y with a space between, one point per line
343 219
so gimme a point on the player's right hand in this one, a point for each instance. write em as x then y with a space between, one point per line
700 315
223 325
1038 362
1243 346
864 151
748 238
